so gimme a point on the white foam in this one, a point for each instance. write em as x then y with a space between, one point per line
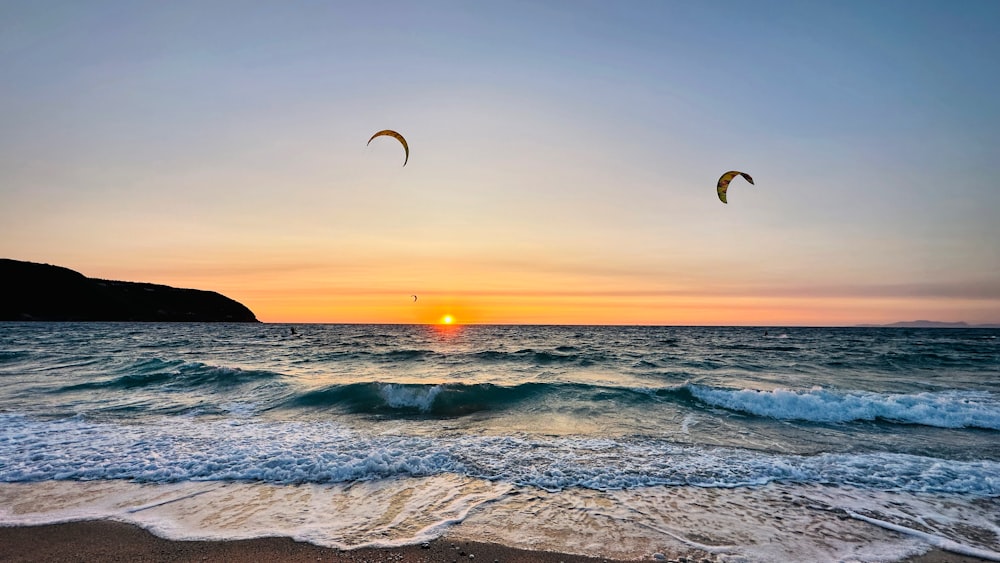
381 513
937 541
174 449
760 524
239 409
689 421
949 409
750 524
402 396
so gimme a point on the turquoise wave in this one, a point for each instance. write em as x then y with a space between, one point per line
175 373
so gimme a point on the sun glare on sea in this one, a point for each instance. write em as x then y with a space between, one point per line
447 320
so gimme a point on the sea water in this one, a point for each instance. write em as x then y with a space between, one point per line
727 443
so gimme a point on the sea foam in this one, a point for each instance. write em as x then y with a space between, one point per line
399 396
947 409
188 449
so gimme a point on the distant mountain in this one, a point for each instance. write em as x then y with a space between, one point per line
930 324
41 292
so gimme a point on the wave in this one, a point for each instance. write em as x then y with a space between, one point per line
404 355
560 355
185 449
13 355
760 347
948 409
445 399
175 373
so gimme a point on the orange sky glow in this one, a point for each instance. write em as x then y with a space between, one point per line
563 159
288 298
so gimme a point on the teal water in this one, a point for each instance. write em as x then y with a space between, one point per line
558 408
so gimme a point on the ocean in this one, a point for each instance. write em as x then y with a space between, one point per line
724 443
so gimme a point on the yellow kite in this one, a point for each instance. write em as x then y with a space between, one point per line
728 177
398 137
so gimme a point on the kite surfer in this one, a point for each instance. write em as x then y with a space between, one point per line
394 135
723 184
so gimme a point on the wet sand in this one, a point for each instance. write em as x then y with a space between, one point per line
108 541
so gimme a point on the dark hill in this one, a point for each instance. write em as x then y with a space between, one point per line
40 292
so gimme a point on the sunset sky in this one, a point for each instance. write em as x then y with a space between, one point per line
563 157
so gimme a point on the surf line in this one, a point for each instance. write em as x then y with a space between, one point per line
716 549
936 541
184 497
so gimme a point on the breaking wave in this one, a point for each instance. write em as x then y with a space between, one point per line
947 409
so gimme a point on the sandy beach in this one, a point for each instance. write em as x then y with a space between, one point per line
104 540
107 541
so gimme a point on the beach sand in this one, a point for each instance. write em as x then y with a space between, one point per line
103 540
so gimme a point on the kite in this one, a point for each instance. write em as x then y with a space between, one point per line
395 135
414 298
728 177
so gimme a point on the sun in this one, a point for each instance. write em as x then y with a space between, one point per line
447 320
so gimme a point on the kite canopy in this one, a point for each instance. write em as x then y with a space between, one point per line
395 135
728 177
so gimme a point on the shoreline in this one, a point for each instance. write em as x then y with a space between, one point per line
109 540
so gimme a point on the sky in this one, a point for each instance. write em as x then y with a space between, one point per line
563 157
